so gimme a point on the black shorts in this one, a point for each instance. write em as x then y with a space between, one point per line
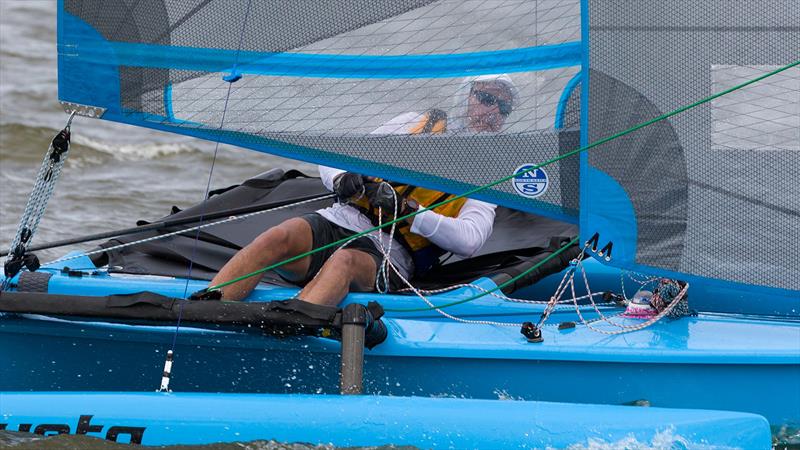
325 232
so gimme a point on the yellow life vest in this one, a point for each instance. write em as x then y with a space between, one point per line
423 251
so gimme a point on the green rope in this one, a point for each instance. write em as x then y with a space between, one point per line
506 178
496 288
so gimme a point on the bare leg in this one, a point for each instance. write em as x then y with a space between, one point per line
288 239
346 269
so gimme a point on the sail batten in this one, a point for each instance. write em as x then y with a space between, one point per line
335 66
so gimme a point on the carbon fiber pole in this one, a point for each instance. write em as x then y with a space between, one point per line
354 324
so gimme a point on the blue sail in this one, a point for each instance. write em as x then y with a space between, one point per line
711 194
317 82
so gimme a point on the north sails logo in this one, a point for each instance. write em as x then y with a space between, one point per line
84 426
530 182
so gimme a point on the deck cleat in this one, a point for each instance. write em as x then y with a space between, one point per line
531 332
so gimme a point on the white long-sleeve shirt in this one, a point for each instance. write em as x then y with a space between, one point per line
463 235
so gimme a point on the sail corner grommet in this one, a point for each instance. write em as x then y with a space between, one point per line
531 332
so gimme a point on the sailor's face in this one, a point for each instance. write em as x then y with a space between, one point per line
488 105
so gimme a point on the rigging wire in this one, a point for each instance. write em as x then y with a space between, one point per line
167 223
230 79
186 230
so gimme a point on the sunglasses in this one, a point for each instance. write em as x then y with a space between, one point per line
488 99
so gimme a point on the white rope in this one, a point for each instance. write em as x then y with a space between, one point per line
386 251
554 302
643 325
642 282
562 287
586 284
569 281
496 295
622 328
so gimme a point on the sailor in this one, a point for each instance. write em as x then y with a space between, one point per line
461 227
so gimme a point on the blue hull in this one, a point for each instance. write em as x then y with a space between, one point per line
164 419
682 364
719 362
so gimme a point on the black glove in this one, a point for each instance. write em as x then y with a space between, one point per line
382 195
348 185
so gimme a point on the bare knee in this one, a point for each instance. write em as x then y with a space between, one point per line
342 259
284 240
358 267
275 239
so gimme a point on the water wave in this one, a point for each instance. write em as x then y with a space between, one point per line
18 141
135 152
26 57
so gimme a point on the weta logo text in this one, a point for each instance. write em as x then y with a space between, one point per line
84 426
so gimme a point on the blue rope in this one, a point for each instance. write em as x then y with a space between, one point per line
230 79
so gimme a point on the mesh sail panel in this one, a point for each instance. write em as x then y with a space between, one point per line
343 83
712 192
